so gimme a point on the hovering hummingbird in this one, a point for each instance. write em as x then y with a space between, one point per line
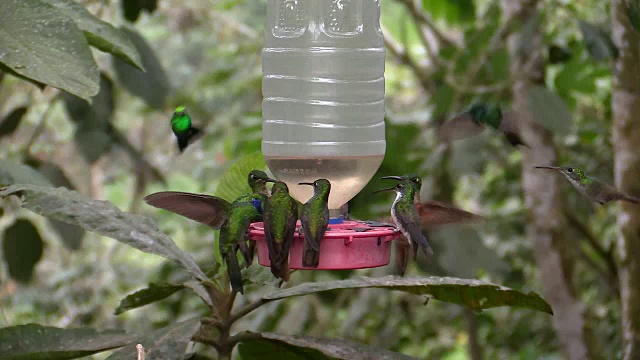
315 220
591 187
405 215
241 213
280 217
474 120
183 128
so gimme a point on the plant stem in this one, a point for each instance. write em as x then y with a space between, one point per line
245 310
240 337
41 123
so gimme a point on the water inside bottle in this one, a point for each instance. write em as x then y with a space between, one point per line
348 175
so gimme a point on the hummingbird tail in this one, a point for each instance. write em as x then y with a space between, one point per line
279 256
310 256
233 268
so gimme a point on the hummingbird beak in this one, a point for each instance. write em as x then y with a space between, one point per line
392 178
305 184
547 167
381 190
270 180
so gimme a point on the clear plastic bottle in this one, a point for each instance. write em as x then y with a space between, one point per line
323 88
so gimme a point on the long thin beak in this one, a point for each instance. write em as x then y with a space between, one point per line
547 167
392 178
305 184
271 180
387 189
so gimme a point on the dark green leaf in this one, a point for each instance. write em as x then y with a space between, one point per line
15 173
451 11
132 8
155 292
100 34
10 122
549 110
234 182
269 346
475 294
598 42
22 249
633 14
103 218
39 42
167 343
151 86
37 342
92 143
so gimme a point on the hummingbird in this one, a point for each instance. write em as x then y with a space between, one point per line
315 220
241 213
280 217
474 120
405 215
593 188
257 181
183 128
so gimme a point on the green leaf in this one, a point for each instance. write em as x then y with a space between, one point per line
598 42
132 8
257 274
549 110
37 342
475 294
155 292
234 182
100 34
167 343
22 249
103 218
15 173
10 123
451 11
270 346
633 13
39 42
151 86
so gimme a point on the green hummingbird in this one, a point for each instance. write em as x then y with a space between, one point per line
593 188
258 183
280 217
473 121
315 220
242 212
183 128
405 215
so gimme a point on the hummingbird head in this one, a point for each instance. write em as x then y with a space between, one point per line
279 187
258 180
320 186
402 188
486 114
180 121
572 173
413 178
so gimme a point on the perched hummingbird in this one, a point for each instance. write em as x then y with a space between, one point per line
315 220
183 128
258 183
405 215
280 217
474 120
591 187
242 212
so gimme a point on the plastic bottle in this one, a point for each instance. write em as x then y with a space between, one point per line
323 89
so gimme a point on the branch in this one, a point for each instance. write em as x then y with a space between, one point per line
240 337
245 310
41 124
401 54
140 351
421 18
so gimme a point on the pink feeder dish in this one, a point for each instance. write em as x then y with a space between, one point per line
348 245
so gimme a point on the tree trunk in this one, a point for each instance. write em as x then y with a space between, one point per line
547 225
626 140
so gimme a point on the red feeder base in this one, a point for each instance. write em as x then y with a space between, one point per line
349 245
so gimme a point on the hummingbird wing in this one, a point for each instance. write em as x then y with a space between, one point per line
205 209
459 127
510 127
434 213
411 224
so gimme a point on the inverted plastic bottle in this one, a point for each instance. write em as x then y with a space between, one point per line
323 95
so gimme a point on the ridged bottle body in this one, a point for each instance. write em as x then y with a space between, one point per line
323 89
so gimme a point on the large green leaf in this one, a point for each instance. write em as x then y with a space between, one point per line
451 11
151 86
16 173
475 294
10 122
549 109
167 343
100 34
103 218
22 248
154 292
234 182
40 42
37 342
269 346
